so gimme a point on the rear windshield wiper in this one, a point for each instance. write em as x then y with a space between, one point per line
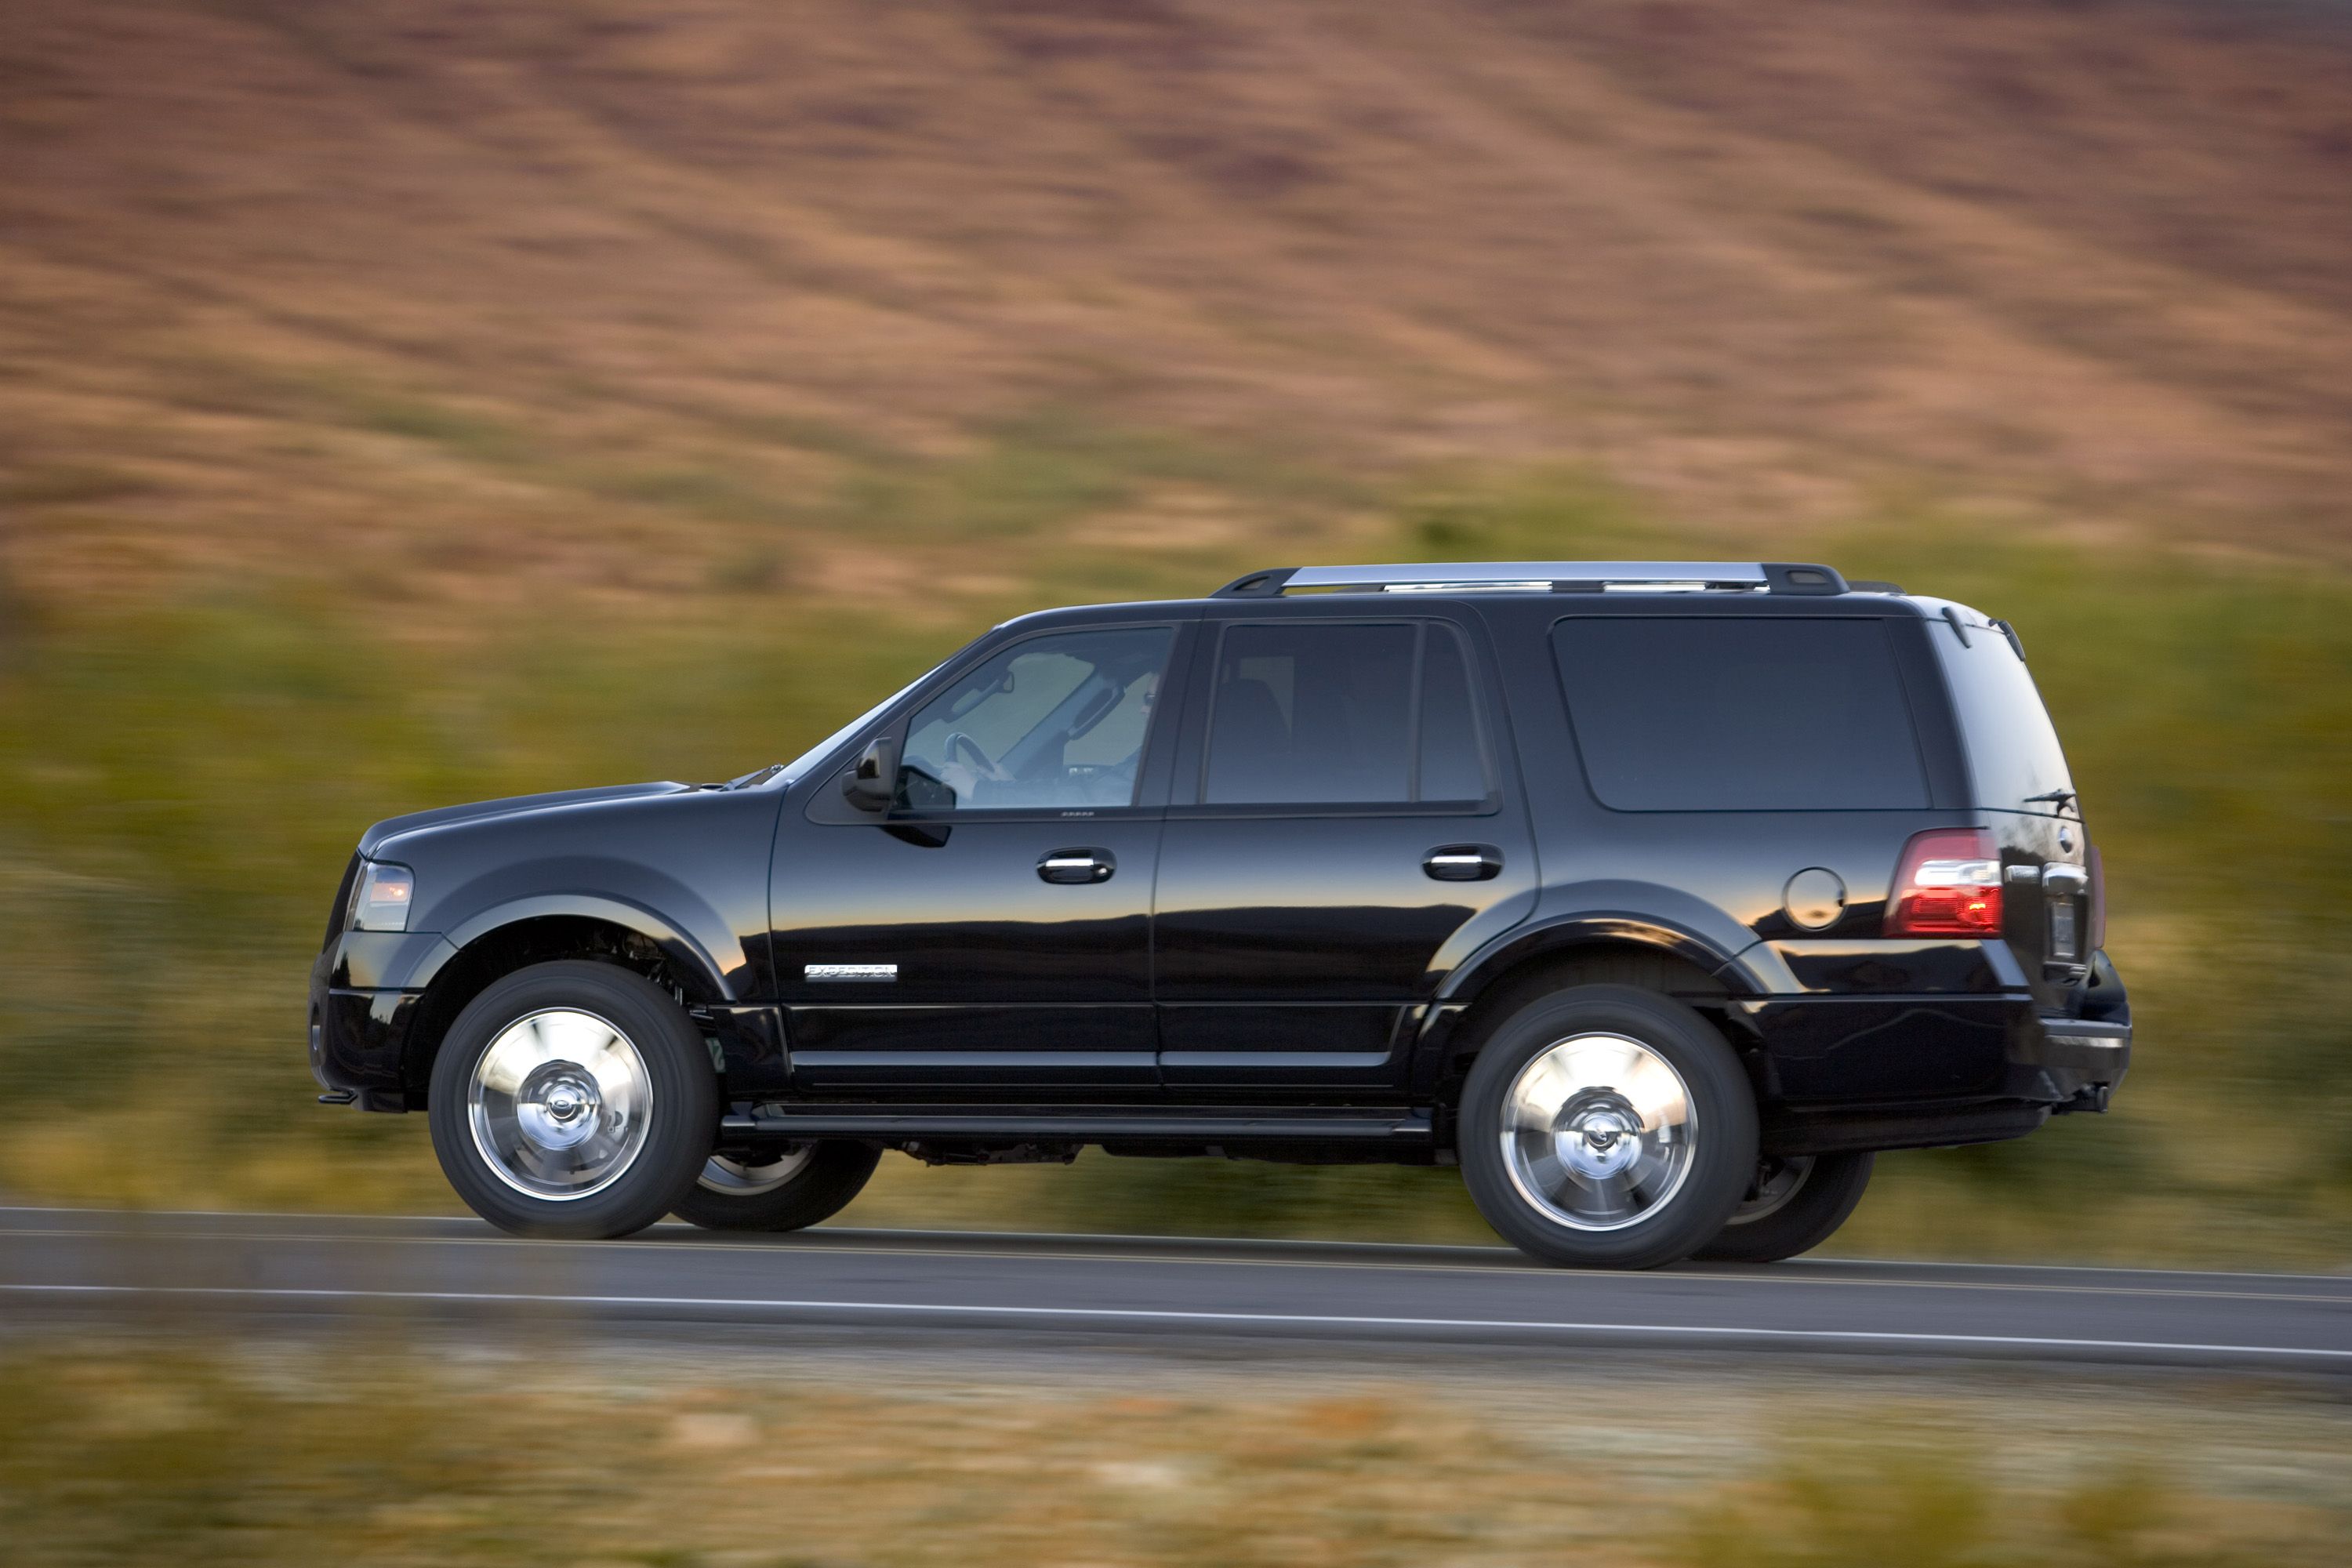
2058 797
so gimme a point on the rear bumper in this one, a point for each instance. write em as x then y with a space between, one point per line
1856 1072
2084 1060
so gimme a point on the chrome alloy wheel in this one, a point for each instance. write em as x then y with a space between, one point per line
1597 1131
560 1103
734 1179
1776 1181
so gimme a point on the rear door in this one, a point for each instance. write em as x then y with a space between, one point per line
1340 836
2020 777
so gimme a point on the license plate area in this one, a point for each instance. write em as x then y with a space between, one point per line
2065 931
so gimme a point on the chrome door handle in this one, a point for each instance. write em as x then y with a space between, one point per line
1077 867
1464 863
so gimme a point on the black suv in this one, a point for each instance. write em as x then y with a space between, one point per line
1655 895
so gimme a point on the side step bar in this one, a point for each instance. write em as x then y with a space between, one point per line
1079 1124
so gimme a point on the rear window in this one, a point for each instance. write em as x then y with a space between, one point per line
2013 753
1734 713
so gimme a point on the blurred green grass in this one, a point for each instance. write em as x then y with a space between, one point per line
181 783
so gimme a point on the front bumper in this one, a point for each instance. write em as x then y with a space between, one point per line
357 1039
359 1023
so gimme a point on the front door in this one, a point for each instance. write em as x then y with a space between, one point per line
1339 838
990 935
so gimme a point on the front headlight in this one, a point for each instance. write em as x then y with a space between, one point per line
382 899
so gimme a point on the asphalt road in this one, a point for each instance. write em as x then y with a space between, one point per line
82 1262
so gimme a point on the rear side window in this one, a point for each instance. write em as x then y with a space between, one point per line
1452 762
2013 753
1342 714
1735 713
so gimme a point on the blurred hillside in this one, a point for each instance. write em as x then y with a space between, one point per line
402 404
418 290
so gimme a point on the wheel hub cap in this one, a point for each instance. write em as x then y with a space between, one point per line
560 1104
1600 1141
1597 1131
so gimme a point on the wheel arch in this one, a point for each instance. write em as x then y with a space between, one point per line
1582 950
496 943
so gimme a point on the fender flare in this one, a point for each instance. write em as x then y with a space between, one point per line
1471 979
695 965
1621 926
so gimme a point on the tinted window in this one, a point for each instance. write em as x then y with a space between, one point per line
1452 762
1053 721
1326 714
2012 749
1739 714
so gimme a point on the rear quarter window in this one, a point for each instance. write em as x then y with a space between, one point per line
1739 714
2013 752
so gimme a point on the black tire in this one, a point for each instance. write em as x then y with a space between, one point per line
1678 1215
667 1130
1770 1224
819 1189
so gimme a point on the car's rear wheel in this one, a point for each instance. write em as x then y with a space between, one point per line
1793 1204
788 1190
572 1099
1608 1127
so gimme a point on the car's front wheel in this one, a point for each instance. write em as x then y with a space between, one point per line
1607 1126
787 1190
572 1099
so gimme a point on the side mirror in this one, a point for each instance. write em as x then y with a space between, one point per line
872 783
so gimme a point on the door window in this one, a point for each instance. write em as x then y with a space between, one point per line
1054 721
1452 762
1342 714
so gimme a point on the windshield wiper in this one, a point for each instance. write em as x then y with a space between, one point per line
755 777
2058 797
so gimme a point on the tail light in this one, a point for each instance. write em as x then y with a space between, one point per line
1949 884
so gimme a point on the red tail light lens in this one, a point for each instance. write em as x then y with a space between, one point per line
1949 884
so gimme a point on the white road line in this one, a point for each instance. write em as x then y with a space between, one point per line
1525 1269
1139 1314
1505 1255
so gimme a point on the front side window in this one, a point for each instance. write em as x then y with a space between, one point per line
1053 721
1342 714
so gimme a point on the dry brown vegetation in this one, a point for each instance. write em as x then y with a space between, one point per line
129 1452
580 299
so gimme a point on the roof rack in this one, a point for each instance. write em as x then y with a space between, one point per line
1546 577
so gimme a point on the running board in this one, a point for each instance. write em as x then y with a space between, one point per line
1081 1125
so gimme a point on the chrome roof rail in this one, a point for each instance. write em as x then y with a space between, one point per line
1544 576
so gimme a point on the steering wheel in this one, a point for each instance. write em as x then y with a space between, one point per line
958 742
